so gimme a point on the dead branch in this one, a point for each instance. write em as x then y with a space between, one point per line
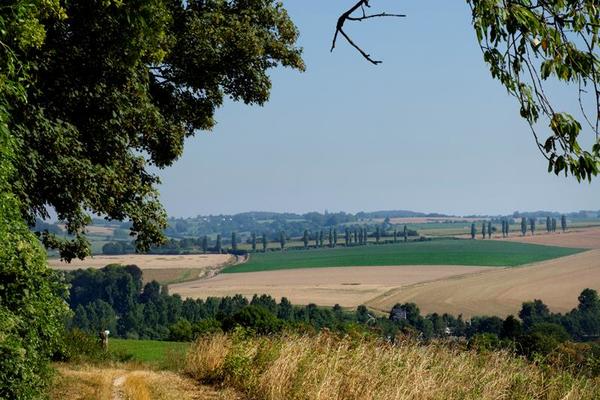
347 16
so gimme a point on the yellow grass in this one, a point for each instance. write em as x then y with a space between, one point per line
347 286
84 382
148 261
326 367
501 292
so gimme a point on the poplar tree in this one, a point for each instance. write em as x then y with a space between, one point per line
321 235
305 239
218 245
282 240
473 231
316 239
355 236
523 226
483 230
254 241
563 223
204 244
553 224
347 237
330 239
377 235
395 235
265 243
548 225
335 238
490 230
405 233
233 241
532 226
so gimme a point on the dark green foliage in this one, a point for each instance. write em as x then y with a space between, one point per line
377 235
532 226
489 230
305 239
405 233
255 318
330 238
32 306
282 240
347 237
205 244
563 223
265 243
523 226
142 87
233 241
335 237
511 328
218 244
253 242
548 225
473 231
483 230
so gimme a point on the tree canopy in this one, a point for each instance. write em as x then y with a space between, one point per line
115 87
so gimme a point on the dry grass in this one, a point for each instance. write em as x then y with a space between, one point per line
577 238
169 276
347 286
148 261
105 383
326 367
501 292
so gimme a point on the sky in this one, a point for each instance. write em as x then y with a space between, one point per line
427 130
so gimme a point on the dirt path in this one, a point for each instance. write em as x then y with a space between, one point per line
86 382
557 282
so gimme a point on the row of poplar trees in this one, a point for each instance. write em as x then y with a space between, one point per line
487 228
352 237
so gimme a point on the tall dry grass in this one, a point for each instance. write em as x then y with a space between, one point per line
291 367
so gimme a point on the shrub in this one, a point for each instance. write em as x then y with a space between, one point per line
255 318
32 306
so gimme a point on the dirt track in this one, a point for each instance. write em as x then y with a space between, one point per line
557 282
347 286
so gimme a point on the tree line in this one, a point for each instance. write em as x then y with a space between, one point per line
487 227
357 236
116 299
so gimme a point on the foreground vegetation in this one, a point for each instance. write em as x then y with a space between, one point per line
324 366
435 252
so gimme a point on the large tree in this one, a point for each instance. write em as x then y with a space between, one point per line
115 87
529 45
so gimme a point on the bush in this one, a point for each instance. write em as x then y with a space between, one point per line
255 318
32 306
181 331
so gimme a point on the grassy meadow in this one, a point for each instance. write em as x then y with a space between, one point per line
328 367
435 252
148 351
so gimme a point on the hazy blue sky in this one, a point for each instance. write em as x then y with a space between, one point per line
427 130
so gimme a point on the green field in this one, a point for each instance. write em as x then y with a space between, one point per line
152 351
435 252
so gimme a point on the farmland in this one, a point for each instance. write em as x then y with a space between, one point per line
435 252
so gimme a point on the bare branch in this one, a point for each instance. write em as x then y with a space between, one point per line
347 16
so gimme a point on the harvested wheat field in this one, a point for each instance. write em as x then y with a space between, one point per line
87 382
500 292
347 286
579 238
149 261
